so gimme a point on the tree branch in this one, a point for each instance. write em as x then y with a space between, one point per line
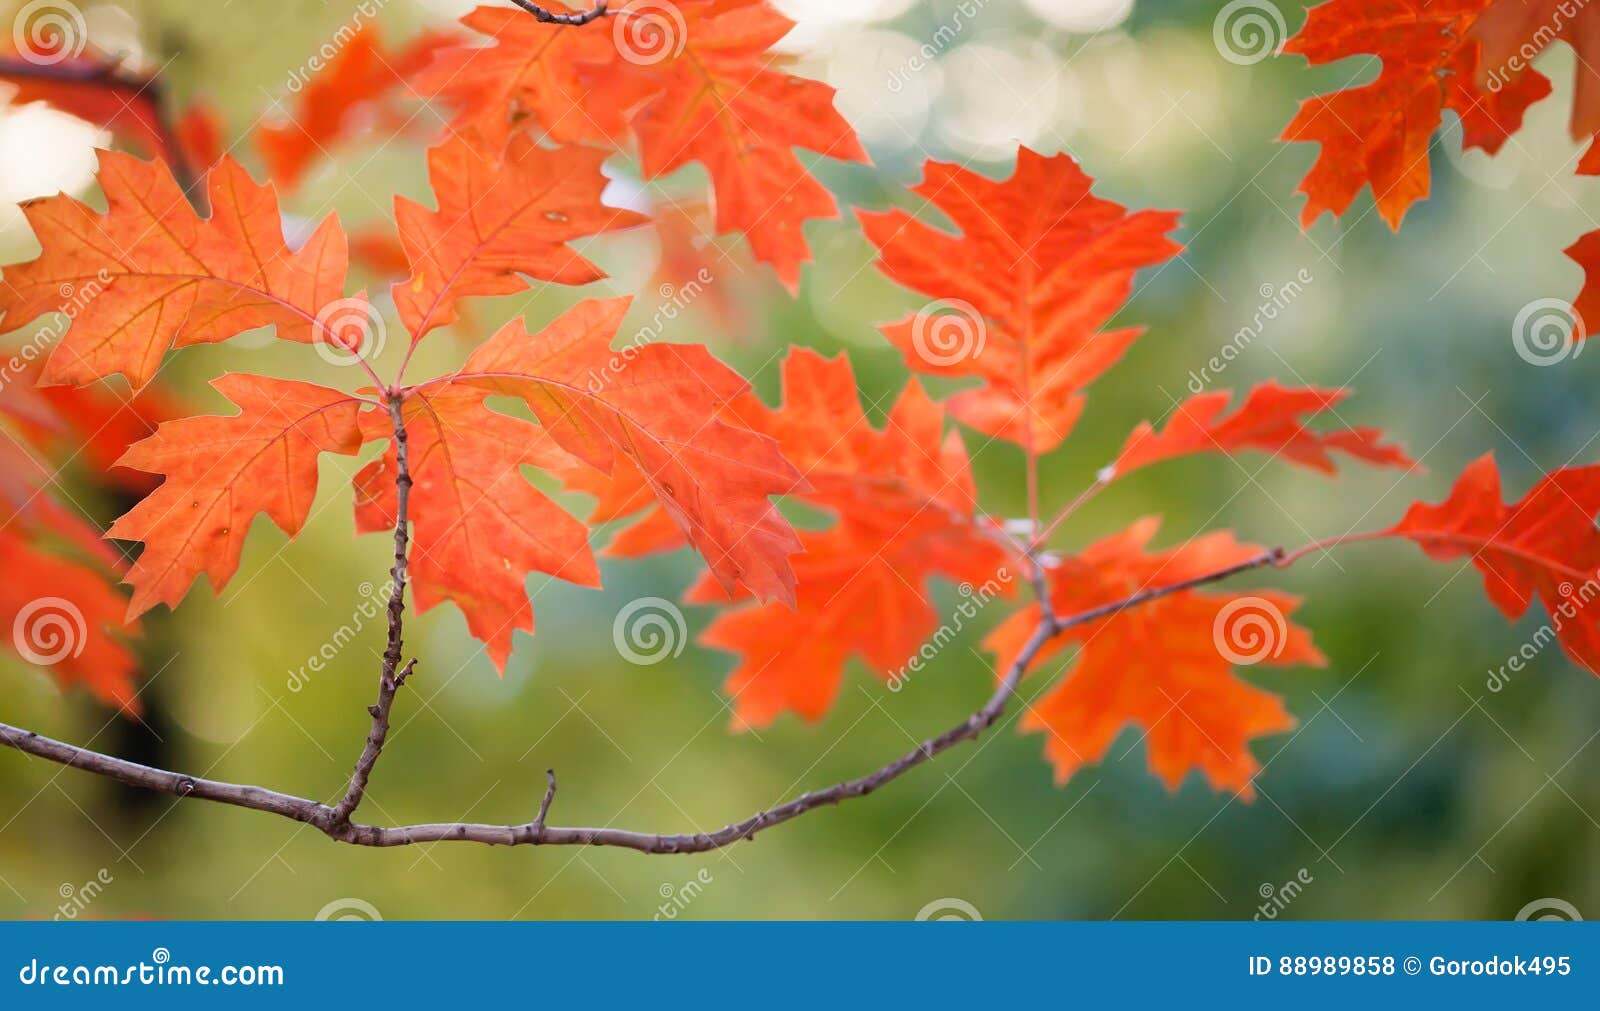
140 88
551 17
537 833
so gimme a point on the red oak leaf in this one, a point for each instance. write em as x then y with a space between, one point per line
1166 666
220 472
1038 268
479 528
1378 133
906 513
1545 546
1272 419
150 273
655 405
500 216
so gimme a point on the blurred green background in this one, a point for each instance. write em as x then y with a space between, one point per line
1410 790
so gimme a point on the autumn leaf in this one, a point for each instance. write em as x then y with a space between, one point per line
1272 419
1023 290
1165 667
1544 547
655 405
149 273
479 528
500 217
552 75
220 472
691 81
906 512
1378 133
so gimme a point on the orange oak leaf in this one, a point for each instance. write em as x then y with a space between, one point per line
692 81
655 405
150 273
538 72
352 90
906 512
1513 32
1546 546
1272 420
220 472
1037 269
1378 133
1165 667
500 216
479 528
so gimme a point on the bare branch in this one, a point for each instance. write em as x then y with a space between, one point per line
536 832
551 17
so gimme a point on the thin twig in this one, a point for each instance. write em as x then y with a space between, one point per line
552 18
390 677
536 833
549 798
